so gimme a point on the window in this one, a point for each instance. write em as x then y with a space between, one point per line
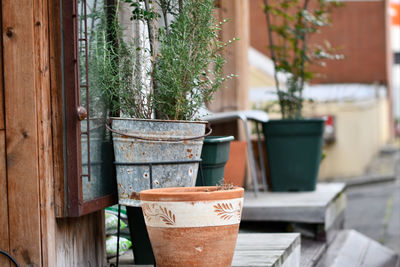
88 154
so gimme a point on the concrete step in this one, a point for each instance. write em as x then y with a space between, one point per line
352 249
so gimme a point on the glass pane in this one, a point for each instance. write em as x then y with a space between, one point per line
97 152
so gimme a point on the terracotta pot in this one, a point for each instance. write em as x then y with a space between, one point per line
192 226
235 169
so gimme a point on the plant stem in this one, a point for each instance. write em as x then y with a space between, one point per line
180 5
150 27
165 14
273 57
152 51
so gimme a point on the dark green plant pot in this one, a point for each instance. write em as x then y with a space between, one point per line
294 150
141 246
214 155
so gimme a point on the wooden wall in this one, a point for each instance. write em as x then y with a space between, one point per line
233 94
29 229
57 107
4 232
81 241
21 56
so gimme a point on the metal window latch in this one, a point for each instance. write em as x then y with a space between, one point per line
81 112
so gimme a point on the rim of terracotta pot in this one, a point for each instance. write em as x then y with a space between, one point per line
198 193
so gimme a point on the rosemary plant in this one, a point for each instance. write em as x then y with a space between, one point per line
189 66
290 24
114 73
170 75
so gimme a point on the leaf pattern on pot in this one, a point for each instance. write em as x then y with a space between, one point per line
167 216
226 210
152 210
147 211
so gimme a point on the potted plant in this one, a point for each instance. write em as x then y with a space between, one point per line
193 226
159 98
294 143
154 86
214 156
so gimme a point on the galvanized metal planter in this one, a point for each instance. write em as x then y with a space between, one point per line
155 154
97 161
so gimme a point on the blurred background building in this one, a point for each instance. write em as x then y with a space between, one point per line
356 93
394 11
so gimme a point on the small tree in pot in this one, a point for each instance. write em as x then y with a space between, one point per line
294 143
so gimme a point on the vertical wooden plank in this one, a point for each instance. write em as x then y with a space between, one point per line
233 95
57 107
4 234
242 25
1 79
1 91
81 241
21 133
45 160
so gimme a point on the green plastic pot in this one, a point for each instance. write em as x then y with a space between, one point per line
214 155
294 149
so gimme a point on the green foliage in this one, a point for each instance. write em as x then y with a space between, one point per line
113 70
174 76
139 13
290 24
189 66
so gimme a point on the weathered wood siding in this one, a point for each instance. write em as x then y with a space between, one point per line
44 142
22 133
31 141
81 241
57 107
4 234
1 80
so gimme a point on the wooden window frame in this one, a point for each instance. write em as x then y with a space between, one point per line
73 198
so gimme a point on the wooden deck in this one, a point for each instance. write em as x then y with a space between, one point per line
267 250
323 207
